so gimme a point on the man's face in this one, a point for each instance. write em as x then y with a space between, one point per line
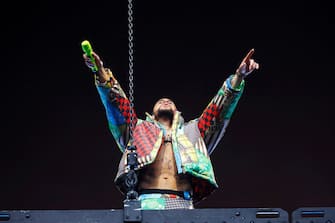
163 106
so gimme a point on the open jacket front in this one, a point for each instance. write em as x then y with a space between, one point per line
192 141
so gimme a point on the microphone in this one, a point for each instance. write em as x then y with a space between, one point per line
87 48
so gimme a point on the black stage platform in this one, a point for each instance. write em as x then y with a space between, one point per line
216 215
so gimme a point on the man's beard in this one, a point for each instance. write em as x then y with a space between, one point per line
165 114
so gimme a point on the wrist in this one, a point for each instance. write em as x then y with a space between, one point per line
236 80
102 75
235 83
105 78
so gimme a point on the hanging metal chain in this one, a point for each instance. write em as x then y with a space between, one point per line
131 179
131 64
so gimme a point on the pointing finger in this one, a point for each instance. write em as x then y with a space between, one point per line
248 56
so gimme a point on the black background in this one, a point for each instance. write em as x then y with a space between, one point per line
57 152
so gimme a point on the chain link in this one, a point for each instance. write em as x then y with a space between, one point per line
131 64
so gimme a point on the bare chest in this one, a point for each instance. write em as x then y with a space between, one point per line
165 162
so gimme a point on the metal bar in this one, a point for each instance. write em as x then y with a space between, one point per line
213 215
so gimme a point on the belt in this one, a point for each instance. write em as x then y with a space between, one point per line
187 195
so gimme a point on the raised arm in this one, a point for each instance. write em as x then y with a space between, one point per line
215 118
115 101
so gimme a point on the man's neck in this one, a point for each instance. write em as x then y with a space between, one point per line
166 123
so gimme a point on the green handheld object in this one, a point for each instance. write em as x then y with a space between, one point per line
87 48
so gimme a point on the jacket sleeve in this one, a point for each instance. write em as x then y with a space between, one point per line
214 120
117 108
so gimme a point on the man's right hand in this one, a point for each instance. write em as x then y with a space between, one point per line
103 75
90 64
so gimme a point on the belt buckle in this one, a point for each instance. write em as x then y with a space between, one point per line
187 195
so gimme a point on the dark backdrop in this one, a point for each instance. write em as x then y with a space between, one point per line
57 152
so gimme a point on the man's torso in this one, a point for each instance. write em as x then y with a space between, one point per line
162 173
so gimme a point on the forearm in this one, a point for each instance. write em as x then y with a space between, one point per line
117 107
213 122
222 105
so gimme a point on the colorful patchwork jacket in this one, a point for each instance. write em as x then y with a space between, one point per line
192 141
